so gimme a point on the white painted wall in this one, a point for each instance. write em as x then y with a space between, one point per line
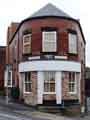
5 78
53 65
40 88
34 58
58 87
60 57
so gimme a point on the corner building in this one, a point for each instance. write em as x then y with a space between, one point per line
47 58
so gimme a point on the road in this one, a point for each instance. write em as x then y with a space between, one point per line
10 116
7 114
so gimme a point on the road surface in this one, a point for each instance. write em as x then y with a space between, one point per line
7 114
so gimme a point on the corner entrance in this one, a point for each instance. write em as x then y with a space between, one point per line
49 87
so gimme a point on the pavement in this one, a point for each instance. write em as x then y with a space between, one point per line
24 110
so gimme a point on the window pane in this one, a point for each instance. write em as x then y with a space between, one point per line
49 41
49 81
9 82
52 87
72 82
28 83
27 44
49 47
46 87
9 78
72 43
29 87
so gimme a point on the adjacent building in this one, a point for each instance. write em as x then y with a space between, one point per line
46 58
2 66
87 82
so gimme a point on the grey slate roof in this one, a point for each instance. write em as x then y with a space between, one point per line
50 10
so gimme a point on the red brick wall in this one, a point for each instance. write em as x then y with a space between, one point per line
62 34
10 32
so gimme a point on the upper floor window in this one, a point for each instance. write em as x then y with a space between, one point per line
27 44
73 43
49 41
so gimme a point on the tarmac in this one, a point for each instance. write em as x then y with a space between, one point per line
25 110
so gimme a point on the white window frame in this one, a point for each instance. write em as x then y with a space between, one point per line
75 83
72 43
26 82
46 41
27 43
48 81
10 79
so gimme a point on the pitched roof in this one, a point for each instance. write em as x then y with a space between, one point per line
50 10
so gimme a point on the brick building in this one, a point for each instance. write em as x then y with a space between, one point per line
2 66
46 58
87 81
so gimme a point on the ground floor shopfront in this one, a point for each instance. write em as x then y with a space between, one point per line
53 82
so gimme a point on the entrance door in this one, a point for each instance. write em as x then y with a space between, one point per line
49 83
52 84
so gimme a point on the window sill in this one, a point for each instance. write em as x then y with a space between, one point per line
72 93
26 54
73 54
48 93
27 93
9 86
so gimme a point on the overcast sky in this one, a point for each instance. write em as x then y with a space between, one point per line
17 10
